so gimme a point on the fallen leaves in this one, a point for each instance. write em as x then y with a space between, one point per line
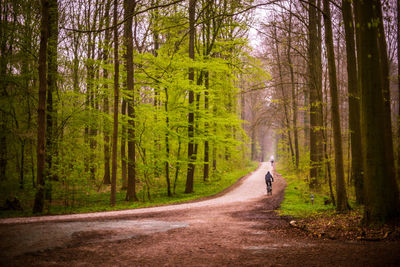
345 226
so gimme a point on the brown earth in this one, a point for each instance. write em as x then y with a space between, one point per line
217 232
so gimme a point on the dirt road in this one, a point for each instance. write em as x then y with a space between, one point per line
239 228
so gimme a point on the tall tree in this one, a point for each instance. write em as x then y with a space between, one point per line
315 98
129 7
51 115
41 131
354 102
106 130
190 170
115 109
381 191
292 81
341 197
398 86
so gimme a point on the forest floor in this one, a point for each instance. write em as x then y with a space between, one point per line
237 228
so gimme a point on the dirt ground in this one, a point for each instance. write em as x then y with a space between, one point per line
217 232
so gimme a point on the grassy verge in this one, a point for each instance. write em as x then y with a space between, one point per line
84 201
297 201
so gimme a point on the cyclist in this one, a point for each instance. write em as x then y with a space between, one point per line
268 180
272 159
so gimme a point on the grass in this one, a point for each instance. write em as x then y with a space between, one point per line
88 199
297 201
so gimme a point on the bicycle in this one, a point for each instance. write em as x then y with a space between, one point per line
269 189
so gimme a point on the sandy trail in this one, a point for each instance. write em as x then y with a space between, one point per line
252 187
239 228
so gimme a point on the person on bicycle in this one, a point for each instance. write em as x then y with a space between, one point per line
272 159
269 179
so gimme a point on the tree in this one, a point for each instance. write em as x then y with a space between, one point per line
315 98
115 109
190 170
294 101
381 191
52 76
341 197
129 7
106 130
354 103
41 132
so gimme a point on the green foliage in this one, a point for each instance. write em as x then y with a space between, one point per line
297 201
87 198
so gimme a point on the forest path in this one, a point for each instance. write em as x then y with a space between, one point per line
238 228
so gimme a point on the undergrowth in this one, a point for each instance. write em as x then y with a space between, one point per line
92 199
297 201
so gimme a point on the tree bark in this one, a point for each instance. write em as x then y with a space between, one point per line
381 191
341 196
123 146
106 130
354 103
294 101
190 170
52 66
398 86
129 7
41 132
116 99
315 83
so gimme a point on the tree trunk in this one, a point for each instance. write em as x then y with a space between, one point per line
52 66
3 94
294 101
106 106
116 99
129 7
206 166
315 83
341 196
398 86
381 191
41 132
390 164
167 149
123 146
190 170
354 103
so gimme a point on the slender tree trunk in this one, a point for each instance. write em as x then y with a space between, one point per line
294 101
190 170
206 166
41 132
381 191
129 7
3 94
341 196
116 100
354 103
315 83
123 147
106 105
167 149
51 84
